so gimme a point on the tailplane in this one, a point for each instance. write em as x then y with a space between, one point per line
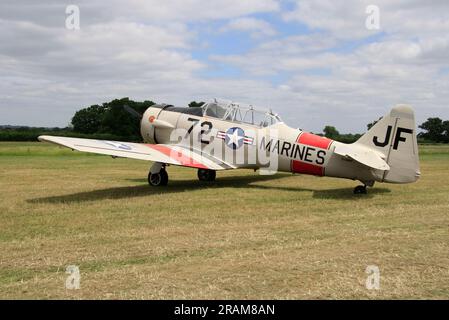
395 137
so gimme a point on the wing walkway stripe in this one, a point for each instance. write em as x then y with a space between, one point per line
178 156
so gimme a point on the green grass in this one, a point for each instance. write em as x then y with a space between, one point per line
245 236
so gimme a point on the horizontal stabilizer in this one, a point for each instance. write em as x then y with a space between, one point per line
365 156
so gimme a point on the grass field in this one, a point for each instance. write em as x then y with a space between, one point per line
246 236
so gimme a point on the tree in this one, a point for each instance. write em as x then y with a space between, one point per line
119 122
195 104
111 118
88 120
435 129
371 124
331 132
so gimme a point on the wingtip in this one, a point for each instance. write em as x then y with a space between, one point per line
42 138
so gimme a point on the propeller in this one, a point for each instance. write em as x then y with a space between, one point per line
153 121
132 112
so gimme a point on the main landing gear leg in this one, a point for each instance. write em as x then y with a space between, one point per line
158 175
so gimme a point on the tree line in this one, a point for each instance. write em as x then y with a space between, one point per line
435 130
111 121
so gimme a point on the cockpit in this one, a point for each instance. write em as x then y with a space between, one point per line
236 112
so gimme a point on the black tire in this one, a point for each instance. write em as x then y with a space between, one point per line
360 190
158 179
206 175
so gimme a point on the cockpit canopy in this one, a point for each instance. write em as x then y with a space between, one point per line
239 113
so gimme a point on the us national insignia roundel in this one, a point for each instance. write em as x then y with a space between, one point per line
234 137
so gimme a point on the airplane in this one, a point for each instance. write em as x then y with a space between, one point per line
225 135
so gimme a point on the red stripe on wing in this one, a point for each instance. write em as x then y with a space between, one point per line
314 140
307 168
177 156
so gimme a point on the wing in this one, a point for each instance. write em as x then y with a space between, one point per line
170 154
363 155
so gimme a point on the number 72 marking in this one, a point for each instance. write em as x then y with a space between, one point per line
204 131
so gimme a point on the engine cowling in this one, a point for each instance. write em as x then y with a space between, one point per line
147 124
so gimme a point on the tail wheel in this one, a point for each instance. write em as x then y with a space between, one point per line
158 179
206 175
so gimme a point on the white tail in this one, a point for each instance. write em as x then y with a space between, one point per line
395 137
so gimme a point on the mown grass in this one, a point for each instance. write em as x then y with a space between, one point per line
245 236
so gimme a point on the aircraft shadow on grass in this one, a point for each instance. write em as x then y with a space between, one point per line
129 192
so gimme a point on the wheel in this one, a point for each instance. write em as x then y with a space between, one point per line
360 190
206 175
158 179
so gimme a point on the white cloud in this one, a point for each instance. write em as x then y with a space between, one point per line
198 10
256 27
143 50
139 49
345 19
408 63
52 12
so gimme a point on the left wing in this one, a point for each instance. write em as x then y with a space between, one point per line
170 154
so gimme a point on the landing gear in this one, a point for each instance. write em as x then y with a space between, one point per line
158 175
360 190
206 175
158 179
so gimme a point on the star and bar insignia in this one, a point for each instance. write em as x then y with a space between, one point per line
235 137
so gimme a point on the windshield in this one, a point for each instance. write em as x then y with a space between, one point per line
239 113
215 110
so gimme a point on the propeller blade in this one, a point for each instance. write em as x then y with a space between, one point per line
132 112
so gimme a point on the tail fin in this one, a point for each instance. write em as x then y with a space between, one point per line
395 137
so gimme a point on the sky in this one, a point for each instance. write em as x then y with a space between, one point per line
315 63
